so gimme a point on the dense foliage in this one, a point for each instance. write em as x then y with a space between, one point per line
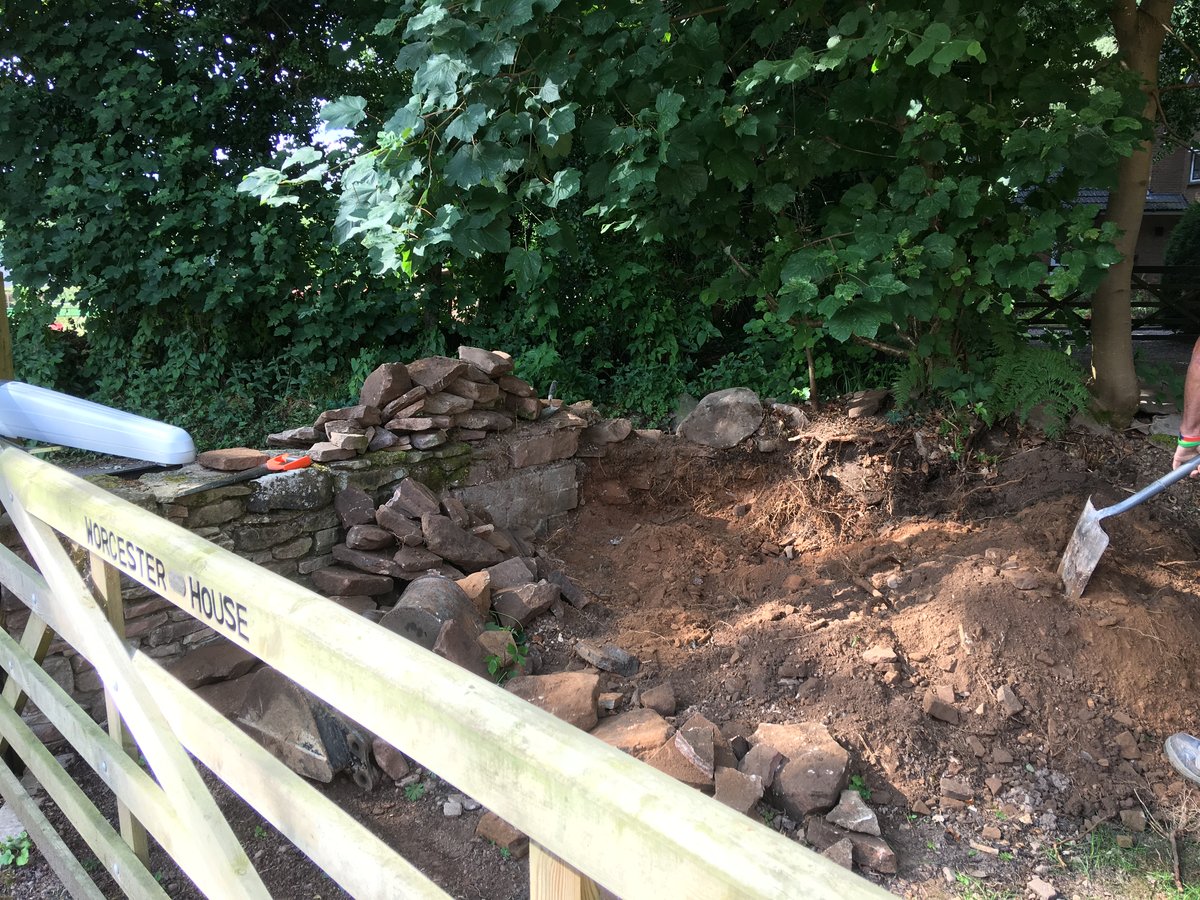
811 173
127 127
635 198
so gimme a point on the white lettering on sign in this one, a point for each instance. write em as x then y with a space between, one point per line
219 610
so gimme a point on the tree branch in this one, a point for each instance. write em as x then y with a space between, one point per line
1187 48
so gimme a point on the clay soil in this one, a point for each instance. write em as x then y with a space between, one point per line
754 583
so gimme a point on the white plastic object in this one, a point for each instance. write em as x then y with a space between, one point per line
40 414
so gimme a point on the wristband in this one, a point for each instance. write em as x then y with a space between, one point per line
1189 442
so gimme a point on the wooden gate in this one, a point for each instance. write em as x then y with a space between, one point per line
594 815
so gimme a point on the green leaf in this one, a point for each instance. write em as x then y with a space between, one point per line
437 80
345 112
302 156
430 15
465 125
565 184
316 173
775 196
525 265
938 32
412 56
734 165
558 124
948 54
405 122
463 170
683 183
940 249
796 68
667 104
856 320
511 13
490 57
860 197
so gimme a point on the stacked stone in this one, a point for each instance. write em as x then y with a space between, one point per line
421 405
415 533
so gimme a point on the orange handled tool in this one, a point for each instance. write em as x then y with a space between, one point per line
281 463
285 463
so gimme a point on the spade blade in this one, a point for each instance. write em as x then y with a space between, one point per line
1087 545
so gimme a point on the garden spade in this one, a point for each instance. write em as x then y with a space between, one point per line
1089 541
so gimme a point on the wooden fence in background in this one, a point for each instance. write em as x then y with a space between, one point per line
595 816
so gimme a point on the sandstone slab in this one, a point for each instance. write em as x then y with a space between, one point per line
367 561
525 602
816 772
660 698
491 363
681 766
426 605
342 581
384 385
544 448
368 537
870 852
354 507
571 696
295 438
937 708
608 657
294 726
457 641
474 391
494 829
737 790
723 419
457 545
763 762
233 459
435 372
853 814
414 499
218 661
392 762
478 588
637 732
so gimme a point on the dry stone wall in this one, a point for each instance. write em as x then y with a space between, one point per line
467 429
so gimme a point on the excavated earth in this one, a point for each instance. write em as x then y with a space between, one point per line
755 583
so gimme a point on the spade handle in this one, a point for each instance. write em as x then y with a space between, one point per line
1150 490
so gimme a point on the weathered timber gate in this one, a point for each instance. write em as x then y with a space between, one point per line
594 814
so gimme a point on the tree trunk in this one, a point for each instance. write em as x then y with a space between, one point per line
1140 31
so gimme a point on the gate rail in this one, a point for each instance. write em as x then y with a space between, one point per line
593 814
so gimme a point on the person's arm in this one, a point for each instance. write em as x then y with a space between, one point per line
1189 423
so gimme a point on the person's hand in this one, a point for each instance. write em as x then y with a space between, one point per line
1186 454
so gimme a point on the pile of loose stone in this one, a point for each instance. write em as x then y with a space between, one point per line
420 406
415 533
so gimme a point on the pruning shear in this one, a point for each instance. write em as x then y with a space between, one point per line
281 463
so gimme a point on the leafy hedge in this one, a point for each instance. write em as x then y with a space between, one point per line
635 199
